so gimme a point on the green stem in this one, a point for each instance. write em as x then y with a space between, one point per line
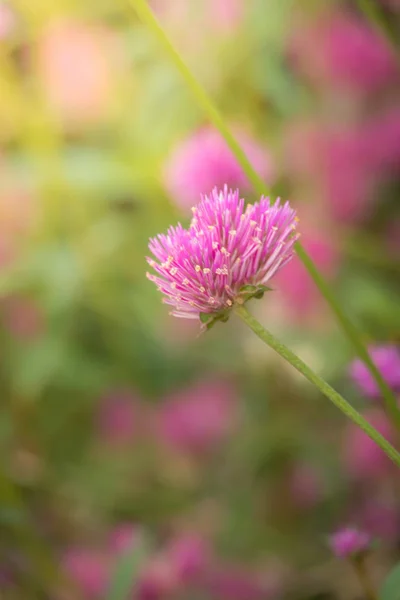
204 100
320 383
363 576
373 14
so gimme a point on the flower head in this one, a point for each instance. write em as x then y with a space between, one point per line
387 360
227 255
349 542
204 160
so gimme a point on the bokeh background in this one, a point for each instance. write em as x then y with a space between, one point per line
120 427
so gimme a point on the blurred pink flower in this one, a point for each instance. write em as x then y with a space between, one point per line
196 419
306 486
387 360
211 15
22 317
124 537
232 582
76 70
349 542
88 570
204 161
189 554
380 520
349 54
121 417
157 580
7 20
363 459
295 285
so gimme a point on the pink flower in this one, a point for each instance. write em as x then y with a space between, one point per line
197 418
387 360
299 292
124 538
349 542
7 21
350 54
189 556
76 71
382 520
157 580
362 457
236 583
89 570
204 161
120 417
22 317
204 269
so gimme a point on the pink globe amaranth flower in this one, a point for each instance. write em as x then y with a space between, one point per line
198 418
300 294
380 519
363 459
121 417
349 542
232 582
158 579
7 21
189 555
221 16
350 54
88 570
123 538
205 161
75 68
387 359
205 268
22 317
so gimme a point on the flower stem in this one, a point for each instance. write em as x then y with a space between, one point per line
361 571
320 383
216 118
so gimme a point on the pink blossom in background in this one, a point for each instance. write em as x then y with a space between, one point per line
75 66
222 16
189 555
204 161
341 50
121 417
349 542
196 419
232 582
22 317
7 21
362 458
306 486
382 141
157 580
88 570
387 360
295 286
381 520
124 537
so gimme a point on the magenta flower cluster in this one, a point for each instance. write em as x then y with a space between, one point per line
349 542
228 254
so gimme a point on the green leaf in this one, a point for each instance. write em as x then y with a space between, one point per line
206 317
391 587
126 573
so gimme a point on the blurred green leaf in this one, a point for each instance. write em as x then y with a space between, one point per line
391 586
125 576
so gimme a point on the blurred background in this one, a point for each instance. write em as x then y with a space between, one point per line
120 427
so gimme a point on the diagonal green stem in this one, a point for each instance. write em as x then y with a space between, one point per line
320 383
204 100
